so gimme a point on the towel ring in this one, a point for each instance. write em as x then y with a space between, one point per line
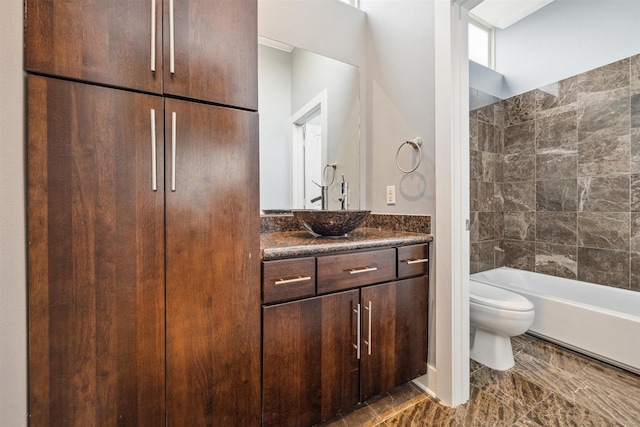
416 143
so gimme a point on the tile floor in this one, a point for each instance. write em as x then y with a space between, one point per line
548 386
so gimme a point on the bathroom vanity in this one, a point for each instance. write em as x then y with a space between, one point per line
343 320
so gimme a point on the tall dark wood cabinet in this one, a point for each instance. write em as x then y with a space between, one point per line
143 213
96 257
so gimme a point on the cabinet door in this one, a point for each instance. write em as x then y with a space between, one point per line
213 266
310 363
394 336
113 43
215 51
96 256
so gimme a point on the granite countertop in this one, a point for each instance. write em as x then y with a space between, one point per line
290 244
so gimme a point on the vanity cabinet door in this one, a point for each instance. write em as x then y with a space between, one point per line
96 256
310 361
213 266
394 334
106 42
214 56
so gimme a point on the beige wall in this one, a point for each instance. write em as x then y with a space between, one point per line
13 300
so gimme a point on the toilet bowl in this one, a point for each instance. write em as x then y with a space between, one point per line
496 315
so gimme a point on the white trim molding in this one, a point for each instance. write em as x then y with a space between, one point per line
451 239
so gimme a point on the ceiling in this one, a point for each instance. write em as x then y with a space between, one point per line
503 13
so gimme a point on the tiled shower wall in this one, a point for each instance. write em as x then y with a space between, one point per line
564 165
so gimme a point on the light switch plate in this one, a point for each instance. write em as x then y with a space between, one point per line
391 195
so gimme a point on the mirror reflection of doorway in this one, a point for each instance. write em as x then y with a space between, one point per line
309 143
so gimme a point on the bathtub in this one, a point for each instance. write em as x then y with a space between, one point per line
600 321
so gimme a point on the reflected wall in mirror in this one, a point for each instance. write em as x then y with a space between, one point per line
309 118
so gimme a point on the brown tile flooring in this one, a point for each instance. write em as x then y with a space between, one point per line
548 386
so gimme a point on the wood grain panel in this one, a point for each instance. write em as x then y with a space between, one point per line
336 272
96 257
216 51
310 365
95 41
213 268
297 271
413 260
398 335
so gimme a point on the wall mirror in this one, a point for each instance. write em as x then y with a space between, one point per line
309 128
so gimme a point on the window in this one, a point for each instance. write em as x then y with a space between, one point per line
354 3
481 42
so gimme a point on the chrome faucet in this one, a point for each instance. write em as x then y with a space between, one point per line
344 198
324 196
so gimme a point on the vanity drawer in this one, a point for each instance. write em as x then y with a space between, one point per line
288 279
351 270
413 260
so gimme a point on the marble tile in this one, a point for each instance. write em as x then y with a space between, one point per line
485 113
557 164
557 260
520 108
486 137
485 226
555 95
518 167
519 196
519 254
611 394
635 151
520 138
526 422
604 120
484 409
635 74
554 379
635 111
486 197
396 400
634 243
604 79
554 357
473 131
604 230
560 195
520 226
427 412
509 388
558 411
604 266
362 416
604 194
473 195
475 165
559 130
559 228
634 266
498 197
489 163
604 156
498 114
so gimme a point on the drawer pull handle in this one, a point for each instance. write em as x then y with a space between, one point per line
362 270
369 308
417 261
292 280
357 346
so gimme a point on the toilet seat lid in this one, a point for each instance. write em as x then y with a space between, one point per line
492 296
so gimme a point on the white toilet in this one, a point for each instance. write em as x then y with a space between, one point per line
496 315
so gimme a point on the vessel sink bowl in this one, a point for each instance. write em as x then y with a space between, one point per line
330 222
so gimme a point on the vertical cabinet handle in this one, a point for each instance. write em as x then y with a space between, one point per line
368 342
153 35
154 155
357 345
173 150
172 45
